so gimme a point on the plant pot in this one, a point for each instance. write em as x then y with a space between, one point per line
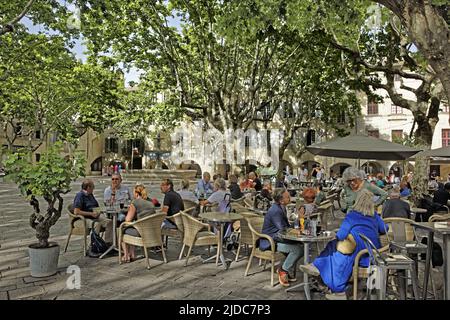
43 261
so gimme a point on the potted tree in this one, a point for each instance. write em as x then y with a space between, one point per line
45 180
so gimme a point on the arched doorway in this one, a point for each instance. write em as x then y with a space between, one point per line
338 168
287 167
399 170
310 164
96 165
372 168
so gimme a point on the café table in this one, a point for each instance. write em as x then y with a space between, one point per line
419 211
113 211
220 218
307 240
443 229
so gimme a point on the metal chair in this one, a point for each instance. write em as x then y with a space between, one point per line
383 263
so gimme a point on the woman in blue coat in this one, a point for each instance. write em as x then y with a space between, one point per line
334 267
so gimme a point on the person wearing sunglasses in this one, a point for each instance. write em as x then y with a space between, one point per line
356 181
117 193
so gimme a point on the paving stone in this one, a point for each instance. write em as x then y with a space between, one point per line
4 296
26 292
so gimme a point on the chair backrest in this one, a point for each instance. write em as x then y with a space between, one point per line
255 224
149 228
249 202
191 228
189 204
246 234
400 229
439 217
374 254
178 221
70 208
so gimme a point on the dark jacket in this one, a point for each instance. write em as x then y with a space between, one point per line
274 221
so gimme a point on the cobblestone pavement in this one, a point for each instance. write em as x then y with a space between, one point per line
106 279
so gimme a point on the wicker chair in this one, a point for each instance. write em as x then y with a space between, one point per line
439 217
149 229
173 233
193 236
190 207
82 229
245 236
255 224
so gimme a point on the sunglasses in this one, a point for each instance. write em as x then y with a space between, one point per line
114 179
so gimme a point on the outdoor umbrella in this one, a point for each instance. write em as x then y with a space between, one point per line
443 152
362 147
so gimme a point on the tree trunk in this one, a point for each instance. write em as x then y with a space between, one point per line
424 132
430 33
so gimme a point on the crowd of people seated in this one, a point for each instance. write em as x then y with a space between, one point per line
365 203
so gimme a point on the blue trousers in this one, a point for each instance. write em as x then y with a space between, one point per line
294 253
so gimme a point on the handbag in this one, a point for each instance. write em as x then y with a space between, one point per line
346 246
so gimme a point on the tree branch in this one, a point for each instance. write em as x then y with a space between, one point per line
9 26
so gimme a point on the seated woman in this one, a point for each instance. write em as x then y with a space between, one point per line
139 207
334 267
266 191
405 191
320 194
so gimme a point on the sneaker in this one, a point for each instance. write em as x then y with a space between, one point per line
291 278
283 278
310 269
336 296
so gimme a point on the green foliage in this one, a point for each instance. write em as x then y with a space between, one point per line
51 175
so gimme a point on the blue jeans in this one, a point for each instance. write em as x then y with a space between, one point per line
294 253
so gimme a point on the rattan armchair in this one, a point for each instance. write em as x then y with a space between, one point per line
193 236
82 228
255 224
439 217
172 232
245 235
149 229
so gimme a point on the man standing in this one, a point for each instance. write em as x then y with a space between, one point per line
172 203
84 204
275 221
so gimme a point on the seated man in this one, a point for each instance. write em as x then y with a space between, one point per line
266 191
204 187
172 203
275 221
117 193
84 204
395 207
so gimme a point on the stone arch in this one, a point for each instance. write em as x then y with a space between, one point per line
310 164
372 167
338 168
96 165
398 169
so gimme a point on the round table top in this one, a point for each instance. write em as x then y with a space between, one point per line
291 234
216 216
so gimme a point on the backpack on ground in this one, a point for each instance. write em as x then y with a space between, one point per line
98 245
